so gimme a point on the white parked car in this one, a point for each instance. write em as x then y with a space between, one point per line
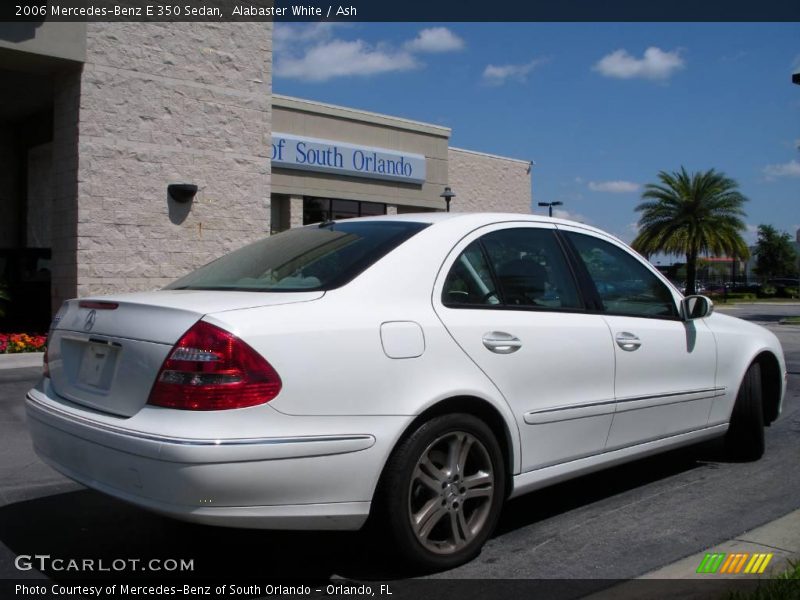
419 369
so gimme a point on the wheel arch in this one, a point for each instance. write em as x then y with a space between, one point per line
771 384
477 407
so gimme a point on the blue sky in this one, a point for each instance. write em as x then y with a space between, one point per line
600 108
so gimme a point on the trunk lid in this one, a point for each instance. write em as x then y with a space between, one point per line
106 355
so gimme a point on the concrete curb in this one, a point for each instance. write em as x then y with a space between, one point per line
18 361
723 305
780 537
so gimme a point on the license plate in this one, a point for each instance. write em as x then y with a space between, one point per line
97 365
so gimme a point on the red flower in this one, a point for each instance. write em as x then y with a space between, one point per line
22 342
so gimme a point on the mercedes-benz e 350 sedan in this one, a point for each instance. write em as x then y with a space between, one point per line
419 369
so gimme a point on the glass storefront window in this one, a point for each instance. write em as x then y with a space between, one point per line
344 209
372 208
316 210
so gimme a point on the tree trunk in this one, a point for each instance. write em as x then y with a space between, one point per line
691 273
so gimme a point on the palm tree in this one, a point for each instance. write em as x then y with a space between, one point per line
690 214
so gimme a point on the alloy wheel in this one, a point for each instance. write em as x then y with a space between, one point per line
451 492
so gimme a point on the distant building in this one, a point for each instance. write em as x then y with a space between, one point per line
97 119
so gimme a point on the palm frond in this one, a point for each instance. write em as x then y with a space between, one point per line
692 213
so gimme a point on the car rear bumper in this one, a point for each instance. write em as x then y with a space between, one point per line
322 481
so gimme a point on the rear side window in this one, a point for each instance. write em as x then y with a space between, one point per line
625 286
304 259
520 267
470 280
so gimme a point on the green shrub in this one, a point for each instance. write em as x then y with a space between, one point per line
732 296
784 586
767 291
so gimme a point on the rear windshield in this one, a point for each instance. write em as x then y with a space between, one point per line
304 259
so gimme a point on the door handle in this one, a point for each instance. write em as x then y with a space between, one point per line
628 341
501 342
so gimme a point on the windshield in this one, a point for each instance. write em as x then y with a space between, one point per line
317 257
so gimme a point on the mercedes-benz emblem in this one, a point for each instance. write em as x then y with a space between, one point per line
90 319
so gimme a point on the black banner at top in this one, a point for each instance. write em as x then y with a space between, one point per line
401 10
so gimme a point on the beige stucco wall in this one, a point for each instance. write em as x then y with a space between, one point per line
155 104
314 119
487 183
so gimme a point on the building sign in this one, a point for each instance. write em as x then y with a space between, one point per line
312 154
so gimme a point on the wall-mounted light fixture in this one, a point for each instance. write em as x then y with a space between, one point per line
181 192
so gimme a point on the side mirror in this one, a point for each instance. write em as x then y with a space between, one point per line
696 307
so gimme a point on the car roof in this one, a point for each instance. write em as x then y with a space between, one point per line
479 219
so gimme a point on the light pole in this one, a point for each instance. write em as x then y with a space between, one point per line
448 195
796 81
550 206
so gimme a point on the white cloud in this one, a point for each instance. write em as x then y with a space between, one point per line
615 187
287 35
435 39
735 57
340 58
751 234
500 74
560 213
789 169
313 52
629 233
655 64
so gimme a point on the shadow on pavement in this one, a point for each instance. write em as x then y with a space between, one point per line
86 524
606 483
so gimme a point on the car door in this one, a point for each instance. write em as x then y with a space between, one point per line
508 297
665 366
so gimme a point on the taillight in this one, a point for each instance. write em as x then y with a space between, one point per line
212 369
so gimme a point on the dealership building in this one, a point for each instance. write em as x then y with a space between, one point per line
98 120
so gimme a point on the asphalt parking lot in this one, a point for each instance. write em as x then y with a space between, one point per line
616 524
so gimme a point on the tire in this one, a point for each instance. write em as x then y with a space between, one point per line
433 518
745 437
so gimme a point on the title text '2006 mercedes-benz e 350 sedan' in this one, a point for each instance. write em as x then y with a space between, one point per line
418 370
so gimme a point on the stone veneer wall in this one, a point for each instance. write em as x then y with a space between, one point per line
486 183
155 104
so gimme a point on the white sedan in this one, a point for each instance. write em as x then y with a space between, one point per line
415 369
